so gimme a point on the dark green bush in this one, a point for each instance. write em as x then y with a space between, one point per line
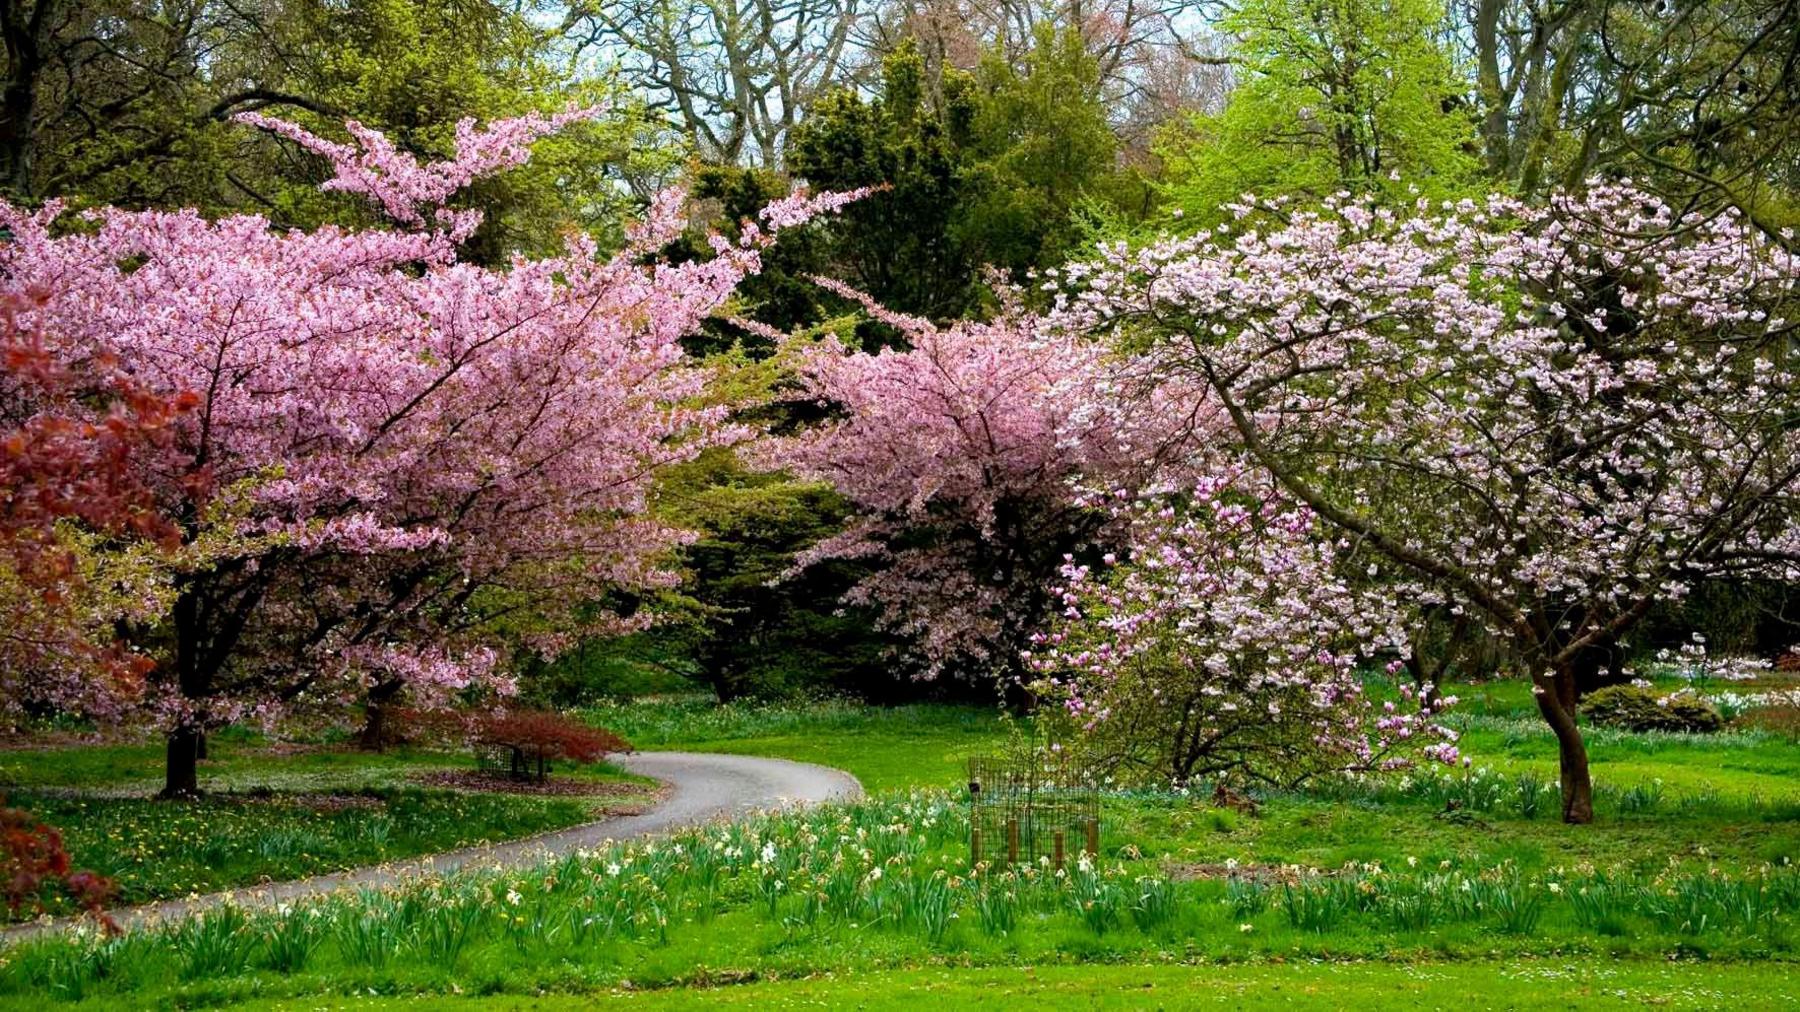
1634 708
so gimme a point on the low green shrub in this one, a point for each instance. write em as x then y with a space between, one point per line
1635 708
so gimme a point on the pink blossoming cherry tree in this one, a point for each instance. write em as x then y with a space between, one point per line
962 452
392 453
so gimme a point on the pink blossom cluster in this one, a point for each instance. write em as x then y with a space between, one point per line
962 452
397 182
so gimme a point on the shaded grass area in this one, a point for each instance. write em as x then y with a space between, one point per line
884 885
1530 984
272 813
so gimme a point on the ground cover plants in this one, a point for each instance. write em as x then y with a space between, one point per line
886 883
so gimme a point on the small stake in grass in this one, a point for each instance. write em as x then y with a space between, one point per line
1093 838
974 828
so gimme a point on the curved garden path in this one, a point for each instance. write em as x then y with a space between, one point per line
702 787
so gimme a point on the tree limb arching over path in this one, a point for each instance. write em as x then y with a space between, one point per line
703 787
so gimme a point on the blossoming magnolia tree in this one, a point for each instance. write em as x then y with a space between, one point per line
1225 644
1552 417
959 453
391 451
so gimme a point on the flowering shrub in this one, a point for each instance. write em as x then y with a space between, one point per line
1226 644
1635 708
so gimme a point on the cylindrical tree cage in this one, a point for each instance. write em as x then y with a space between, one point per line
1024 811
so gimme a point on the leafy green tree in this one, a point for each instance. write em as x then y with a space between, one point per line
1331 94
982 169
128 103
754 629
902 246
1043 145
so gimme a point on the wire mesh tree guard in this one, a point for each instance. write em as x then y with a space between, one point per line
1023 810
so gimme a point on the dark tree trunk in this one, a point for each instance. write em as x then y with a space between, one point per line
374 736
376 711
181 776
1557 703
26 36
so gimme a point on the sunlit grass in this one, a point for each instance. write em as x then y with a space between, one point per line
886 884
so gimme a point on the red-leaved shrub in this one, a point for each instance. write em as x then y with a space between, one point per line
34 857
535 732
551 735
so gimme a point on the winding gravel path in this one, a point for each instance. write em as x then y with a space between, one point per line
702 787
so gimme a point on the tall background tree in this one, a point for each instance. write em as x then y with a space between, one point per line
734 75
1329 96
1696 100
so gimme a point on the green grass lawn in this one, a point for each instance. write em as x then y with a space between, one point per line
1413 890
885 885
271 813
